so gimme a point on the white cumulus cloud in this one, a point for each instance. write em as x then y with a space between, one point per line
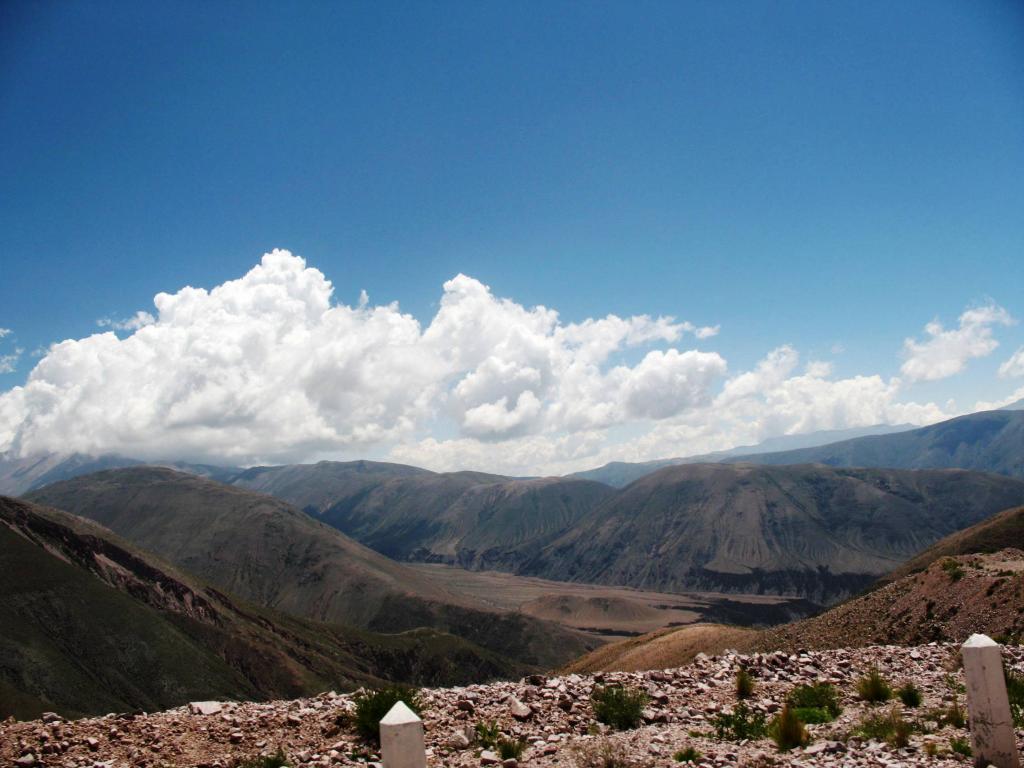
133 323
945 352
1014 366
269 368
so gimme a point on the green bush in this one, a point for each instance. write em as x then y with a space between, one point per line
742 723
873 688
619 707
952 567
372 705
886 726
276 760
821 696
688 755
910 695
813 715
487 734
509 748
960 746
744 684
787 731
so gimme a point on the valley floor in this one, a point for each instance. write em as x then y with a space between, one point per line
609 612
558 726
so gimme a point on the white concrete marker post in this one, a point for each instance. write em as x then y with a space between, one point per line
401 739
992 735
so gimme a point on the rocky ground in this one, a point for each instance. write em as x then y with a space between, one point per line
552 716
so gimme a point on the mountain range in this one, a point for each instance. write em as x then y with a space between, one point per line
990 441
93 624
269 553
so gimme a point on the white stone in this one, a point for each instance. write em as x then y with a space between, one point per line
992 735
204 707
401 739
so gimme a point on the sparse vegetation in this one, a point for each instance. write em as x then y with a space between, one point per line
873 688
910 695
276 760
487 734
744 684
815 703
619 707
688 755
372 705
886 726
603 753
510 748
742 723
953 569
960 746
787 731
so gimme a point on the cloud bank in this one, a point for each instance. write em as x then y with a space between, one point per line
945 353
269 368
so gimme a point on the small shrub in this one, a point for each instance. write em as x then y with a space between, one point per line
487 734
954 715
744 684
602 753
873 688
888 726
510 748
953 569
787 731
372 705
276 760
621 708
960 746
742 723
688 755
813 715
821 696
910 695
931 748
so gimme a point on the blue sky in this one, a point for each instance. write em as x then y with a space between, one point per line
831 176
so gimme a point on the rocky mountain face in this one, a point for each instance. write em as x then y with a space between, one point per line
1001 531
818 532
810 531
92 624
950 600
990 441
271 554
947 600
551 717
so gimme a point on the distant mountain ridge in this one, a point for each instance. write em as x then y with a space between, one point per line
619 474
21 475
470 519
988 441
818 532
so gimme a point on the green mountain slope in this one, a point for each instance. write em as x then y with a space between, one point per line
91 625
271 554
